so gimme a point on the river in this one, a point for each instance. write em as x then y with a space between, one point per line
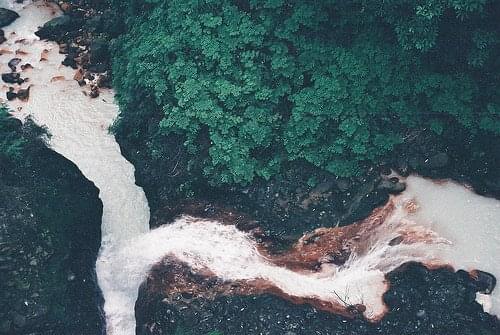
79 131
463 226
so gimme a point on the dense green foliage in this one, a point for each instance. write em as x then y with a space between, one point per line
10 143
16 140
251 85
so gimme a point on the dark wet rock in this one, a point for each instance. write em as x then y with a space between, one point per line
367 197
385 170
23 93
396 241
70 61
94 92
26 66
98 68
5 326
422 301
343 184
392 186
99 51
88 75
484 281
96 23
402 168
7 16
18 320
63 48
13 63
103 81
65 7
493 183
11 95
49 227
57 27
12 78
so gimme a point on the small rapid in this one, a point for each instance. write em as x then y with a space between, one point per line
460 228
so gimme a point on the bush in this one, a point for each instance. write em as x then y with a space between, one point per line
11 144
17 140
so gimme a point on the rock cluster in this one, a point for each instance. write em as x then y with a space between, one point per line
78 41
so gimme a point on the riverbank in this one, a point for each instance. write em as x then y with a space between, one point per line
49 238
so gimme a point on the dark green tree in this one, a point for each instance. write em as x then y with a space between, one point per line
252 85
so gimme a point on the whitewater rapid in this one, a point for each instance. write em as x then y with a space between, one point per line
467 232
460 228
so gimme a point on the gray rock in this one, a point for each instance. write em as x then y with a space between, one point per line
7 16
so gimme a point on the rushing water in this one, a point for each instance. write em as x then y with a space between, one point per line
466 225
79 128
465 234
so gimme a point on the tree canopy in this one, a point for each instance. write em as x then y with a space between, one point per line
253 84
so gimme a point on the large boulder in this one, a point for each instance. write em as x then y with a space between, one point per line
12 78
7 16
57 27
